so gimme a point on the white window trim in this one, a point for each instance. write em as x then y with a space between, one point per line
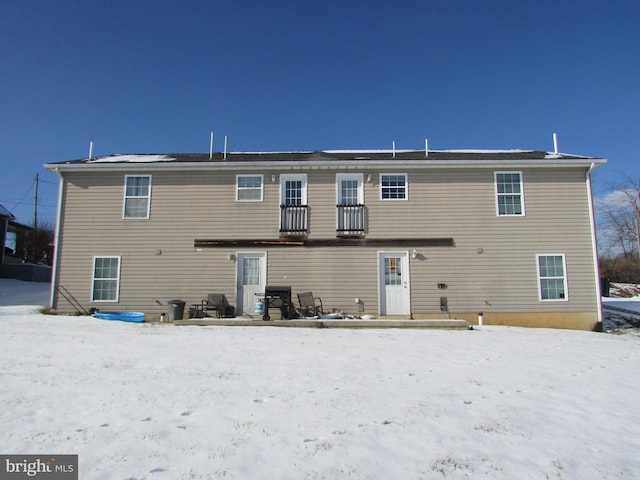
261 187
495 189
564 278
124 200
359 177
93 279
406 187
293 176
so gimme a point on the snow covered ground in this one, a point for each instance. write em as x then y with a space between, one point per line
156 401
622 309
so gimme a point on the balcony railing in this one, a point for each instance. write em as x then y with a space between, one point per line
294 220
351 220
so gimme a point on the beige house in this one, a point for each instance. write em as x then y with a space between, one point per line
406 234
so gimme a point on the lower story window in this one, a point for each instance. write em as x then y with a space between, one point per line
106 279
552 277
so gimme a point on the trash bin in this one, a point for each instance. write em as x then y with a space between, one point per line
605 286
176 310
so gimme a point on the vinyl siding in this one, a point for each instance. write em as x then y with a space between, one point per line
159 261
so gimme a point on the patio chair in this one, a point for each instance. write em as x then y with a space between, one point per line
216 302
310 306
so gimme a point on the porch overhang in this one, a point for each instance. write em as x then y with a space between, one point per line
324 242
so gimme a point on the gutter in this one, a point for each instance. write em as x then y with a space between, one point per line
596 264
56 242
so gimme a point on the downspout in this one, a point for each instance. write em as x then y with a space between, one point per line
56 241
596 264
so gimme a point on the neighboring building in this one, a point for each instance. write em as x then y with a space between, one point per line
5 217
389 233
8 224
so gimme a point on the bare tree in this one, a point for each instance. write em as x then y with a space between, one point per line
616 220
36 246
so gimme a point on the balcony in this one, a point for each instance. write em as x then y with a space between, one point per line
294 220
351 220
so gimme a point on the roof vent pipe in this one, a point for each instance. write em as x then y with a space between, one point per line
426 147
225 148
555 143
211 146
90 150
394 148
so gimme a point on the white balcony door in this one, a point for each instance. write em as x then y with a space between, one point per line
349 193
394 283
251 280
349 189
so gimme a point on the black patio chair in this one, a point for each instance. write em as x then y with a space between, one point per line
310 306
215 302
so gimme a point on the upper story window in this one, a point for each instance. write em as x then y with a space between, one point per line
106 279
552 277
509 193
137 196
393 186
249 188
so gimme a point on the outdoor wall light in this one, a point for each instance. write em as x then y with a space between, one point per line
274 178
231 257
369 177
414 254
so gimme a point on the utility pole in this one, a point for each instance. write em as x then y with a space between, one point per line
637 214
35 205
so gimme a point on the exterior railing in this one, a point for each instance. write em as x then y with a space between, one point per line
294 220
351 220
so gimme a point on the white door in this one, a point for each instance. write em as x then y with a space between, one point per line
394 283
350 198
251 280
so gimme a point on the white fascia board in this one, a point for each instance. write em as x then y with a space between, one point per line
328 165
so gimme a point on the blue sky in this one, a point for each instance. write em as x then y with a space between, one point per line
138 76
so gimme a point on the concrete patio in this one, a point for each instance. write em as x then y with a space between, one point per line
327 323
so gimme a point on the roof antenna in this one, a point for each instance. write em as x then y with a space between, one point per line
394 148
426 147
211 146
555 143
90 149
225 148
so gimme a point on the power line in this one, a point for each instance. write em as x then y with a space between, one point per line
23 197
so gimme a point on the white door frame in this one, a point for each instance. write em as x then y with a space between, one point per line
404 254
240 307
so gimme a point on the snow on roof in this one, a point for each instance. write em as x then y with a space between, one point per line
370 151
483 151
132 159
